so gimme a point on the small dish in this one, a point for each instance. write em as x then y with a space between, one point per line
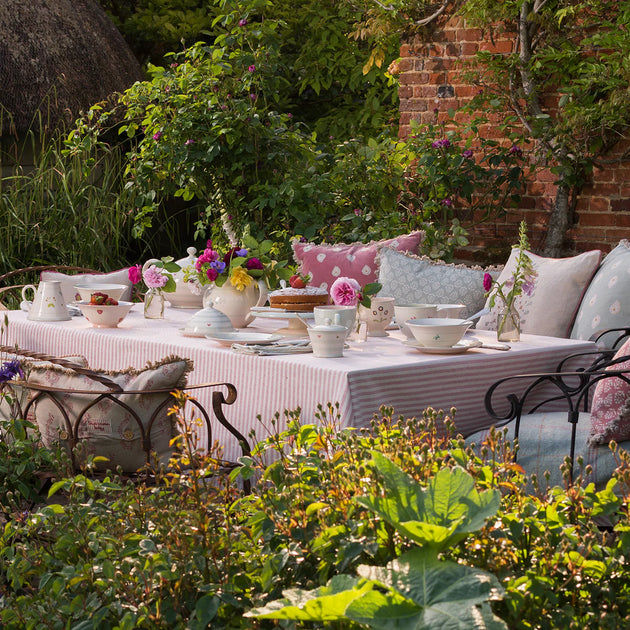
458 348
245 338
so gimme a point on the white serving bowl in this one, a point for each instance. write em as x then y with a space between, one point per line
105 315
438 332
405 312
450 310
86 290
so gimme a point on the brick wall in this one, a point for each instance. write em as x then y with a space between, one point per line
431 83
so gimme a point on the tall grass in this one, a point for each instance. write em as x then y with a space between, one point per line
68 208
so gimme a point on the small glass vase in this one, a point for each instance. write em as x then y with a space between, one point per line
154 304
508 324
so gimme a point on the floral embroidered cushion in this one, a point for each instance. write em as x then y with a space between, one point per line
326 263
68 281
420 280
559 285
606 303
610 409
108 429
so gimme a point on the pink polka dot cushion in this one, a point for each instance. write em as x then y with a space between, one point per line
326 263
610 410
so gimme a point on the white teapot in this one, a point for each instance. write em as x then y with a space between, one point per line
183 297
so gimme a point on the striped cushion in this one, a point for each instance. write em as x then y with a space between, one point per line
544 441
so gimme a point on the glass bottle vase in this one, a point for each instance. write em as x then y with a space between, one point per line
154 304
508 324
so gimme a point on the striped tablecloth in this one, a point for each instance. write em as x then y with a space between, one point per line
379 371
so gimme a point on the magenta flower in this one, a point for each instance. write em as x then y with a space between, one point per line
252 97
251 68
467 154
357 211
242 22
154 278
157 135
447 202
189 141
487 282
345 291
212 274
254 263
135 274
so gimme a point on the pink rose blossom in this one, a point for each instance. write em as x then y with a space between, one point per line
487 282
135 274
345 291
153 278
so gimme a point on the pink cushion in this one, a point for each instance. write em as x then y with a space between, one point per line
610 410
326 263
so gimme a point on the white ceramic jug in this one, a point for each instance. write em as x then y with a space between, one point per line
48 304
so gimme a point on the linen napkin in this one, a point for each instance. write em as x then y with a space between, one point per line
294 346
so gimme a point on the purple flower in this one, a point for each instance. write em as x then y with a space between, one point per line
441 144
345 291
242 22
447 202
357 211
157 135
254 263
241 253
487 282
218 266
303 239
135 274
467 153
514 150
189 142
252 97
251 68
10 369
528 287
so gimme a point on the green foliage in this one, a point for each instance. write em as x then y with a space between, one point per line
191 550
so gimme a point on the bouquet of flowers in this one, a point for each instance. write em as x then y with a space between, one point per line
156 276
241 266
348 292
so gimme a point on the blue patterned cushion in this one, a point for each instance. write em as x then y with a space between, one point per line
544 441
421 280
606 303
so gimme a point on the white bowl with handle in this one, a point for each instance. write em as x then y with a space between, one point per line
438 332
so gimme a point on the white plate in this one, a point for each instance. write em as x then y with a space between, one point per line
228 338
279 313
462 346
187 333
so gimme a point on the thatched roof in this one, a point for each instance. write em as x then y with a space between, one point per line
58 57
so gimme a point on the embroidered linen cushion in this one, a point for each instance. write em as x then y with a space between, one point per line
559 286
108 429
544 442
421 280
326 263
610 408
68 281
606 302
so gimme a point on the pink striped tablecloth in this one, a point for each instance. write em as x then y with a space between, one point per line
381 371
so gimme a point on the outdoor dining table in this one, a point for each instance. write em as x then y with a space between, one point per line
378 371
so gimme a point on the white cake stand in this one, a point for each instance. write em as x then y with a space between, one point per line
296 326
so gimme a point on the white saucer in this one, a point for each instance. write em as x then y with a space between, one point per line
462 346
228 338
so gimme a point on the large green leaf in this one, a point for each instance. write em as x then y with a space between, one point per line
440 514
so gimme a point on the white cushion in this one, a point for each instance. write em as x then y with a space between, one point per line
420 280
108 429
68 281
559 286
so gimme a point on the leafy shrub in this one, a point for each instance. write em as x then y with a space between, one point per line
191 551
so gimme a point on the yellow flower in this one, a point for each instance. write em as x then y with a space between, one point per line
240 279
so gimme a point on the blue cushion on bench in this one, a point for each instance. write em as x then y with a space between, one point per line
544 442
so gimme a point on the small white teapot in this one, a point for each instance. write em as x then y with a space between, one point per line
48 304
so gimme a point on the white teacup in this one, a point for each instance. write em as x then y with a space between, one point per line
47 305
450 310
327 340
339 315
406 312
379 316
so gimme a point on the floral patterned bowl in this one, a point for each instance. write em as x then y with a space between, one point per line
105 315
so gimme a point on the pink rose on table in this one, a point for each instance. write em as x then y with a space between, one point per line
345 292
135 274
154 278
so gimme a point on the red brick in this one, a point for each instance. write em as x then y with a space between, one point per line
599 204
501 46
620 205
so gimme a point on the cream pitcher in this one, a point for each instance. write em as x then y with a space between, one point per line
48 304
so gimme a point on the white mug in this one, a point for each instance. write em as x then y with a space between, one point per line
48 304
333 314
378 317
